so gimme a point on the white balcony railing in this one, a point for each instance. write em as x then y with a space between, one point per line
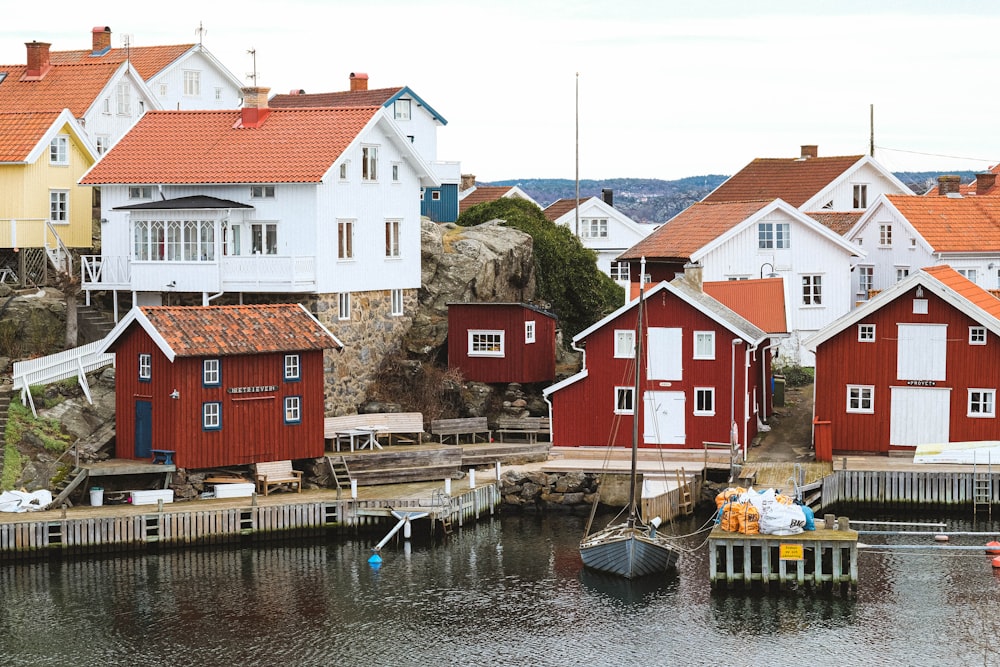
258 273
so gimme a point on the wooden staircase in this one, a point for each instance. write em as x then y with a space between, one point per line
93 324
685 503
66 486
340 473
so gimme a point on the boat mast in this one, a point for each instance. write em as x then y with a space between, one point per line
632 512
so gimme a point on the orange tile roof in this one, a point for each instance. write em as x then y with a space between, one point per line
147 60
965 224
966 288
795 180
73 87
291 146
838 223
194 331
345 98
482 194
21 132
760 302
692 229
561 207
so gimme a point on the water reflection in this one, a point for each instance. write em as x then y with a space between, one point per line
608 589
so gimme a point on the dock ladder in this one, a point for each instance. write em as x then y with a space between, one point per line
982 487
340 473
685 505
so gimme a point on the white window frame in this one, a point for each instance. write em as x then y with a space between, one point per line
211 372
395 172
487 343
885 234
982 403
344 306
59 207
812 290
211 416
866 280
192 83
396 306
859 192
140 192
977 335
866 333
402 109
435 195
861 399
392 247
703 345
163 89
262 192
620 270
345 240
369 164
264 238
594 228
529 331
102 142
145 367
343 171
624 401
292 368
624 338
902 272
123 99
699 393
972 275
773 235
293 409
218 93
59 150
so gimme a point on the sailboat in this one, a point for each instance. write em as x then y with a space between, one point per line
631 549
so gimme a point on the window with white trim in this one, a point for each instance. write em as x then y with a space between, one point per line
885 234
395 172
369 163
866 333
902 272
773 235
59 150
529 331
102 142
594 228
163 89
344 306
435 195
264 238
977 335
145 367
59 206
970 274
704 401
192 83
866 280
345 239
860 195
620 271
401 109
292 367
218 94
861 398
106 106
140 192
396 308
343 171
211 416
624 400
262 192
293 409
392 238
982 402
624 344
704 345
211 374
812 290
123 99
485 343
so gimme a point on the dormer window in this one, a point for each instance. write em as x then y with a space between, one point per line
401 109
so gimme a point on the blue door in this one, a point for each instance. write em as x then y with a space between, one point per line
143 429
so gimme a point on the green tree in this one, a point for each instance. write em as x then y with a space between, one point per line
567 273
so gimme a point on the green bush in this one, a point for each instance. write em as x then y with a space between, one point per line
796 376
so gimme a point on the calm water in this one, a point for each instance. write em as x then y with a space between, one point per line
506 592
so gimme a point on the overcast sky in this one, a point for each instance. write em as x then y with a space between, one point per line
667 89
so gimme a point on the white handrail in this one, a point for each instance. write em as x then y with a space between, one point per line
76 362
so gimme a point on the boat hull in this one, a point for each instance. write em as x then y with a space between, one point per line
628 552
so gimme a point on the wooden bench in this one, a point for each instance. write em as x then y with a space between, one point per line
275 474
164 456
404 427
525 428
474 427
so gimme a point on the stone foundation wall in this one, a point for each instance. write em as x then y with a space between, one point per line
537 491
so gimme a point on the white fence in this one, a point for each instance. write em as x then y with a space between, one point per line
60 366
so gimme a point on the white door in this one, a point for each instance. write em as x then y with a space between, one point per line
663 418
920 416
921 352
663 354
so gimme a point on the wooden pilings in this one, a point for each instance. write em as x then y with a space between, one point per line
904 489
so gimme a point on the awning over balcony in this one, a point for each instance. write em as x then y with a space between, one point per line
185 203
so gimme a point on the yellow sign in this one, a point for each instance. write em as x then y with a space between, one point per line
790 552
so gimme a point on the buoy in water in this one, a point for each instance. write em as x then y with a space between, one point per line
940 538
996 562
993 547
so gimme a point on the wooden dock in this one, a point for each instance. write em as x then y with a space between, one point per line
821 558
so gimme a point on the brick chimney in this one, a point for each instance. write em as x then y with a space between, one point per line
468 181
985 182
608 195
38 60
948 185
809 151
101 39
359 81
255 110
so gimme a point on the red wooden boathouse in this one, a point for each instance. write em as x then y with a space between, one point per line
502 342
219 385
917 364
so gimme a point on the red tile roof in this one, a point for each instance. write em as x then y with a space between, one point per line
194 331
692 229
73 87
966 224
838 223
794 180
147 60
482 194
290 146
21 132
345 98
561 207
966 288
761 302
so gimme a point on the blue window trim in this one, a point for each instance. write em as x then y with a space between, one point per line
298 366
218 382
284 410
149 376
211 428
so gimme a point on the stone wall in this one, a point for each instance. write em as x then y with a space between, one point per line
537 491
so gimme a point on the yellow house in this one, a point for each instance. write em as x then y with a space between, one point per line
43 154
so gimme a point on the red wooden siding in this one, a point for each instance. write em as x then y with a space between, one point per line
842 360
522 362
583 411
253 426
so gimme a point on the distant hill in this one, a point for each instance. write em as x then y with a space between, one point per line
653 200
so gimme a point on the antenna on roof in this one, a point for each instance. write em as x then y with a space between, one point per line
126 40
253 75
200 31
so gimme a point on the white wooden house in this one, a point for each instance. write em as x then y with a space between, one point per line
259 200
